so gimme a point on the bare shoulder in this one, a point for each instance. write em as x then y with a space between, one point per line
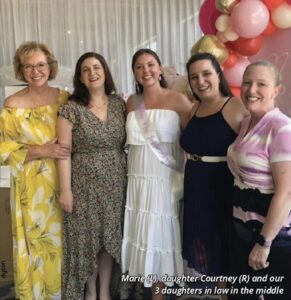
195 105
16 100
236 106
178 101
234 102
129 104
234 112
174 95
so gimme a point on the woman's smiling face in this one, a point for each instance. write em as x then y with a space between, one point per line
204 79
147 70
259 89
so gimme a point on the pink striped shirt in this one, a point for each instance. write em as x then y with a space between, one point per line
251 154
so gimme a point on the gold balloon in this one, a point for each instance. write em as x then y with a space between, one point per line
211 44
225 6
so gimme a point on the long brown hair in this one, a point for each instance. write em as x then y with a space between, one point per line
137 54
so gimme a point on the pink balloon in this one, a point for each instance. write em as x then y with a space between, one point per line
234 75
249 18
208 14
276 49
288 1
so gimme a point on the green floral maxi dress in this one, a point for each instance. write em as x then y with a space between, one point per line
98 187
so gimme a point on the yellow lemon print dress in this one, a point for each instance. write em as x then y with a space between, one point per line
36 215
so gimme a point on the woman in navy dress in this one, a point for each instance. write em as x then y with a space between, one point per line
214 125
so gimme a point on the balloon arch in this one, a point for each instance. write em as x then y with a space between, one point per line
237 32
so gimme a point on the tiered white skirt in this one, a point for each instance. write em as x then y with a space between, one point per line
151 245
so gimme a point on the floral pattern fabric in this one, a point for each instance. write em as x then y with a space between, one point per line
98 187
36 215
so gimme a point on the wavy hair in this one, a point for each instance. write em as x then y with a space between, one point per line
27 49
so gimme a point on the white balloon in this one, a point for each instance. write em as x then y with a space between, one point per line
222 23
281 16
230 35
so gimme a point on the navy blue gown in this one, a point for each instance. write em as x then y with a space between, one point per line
207 187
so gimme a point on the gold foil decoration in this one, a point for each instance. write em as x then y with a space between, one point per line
211 44
225 6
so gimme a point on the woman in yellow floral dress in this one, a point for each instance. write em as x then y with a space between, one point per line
29 146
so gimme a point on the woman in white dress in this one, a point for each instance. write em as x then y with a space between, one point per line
151 248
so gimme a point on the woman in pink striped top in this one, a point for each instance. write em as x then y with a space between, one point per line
260 160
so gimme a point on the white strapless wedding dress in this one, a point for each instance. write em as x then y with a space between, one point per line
152 241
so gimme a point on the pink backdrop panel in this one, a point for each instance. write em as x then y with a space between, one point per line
277 49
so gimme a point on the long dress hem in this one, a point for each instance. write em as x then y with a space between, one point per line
151 248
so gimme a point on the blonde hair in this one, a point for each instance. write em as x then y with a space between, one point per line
25 50
266 63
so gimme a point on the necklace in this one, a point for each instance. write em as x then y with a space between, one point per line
101 110
104 101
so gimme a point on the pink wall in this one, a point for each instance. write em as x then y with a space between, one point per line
277 49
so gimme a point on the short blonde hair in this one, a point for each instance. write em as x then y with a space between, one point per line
268 64
25 50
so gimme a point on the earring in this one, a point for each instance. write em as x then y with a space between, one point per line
137 87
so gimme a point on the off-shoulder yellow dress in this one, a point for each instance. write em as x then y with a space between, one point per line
36 215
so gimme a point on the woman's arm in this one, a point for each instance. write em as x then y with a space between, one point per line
184 108
49 150
129 104
64 130
278 212
52 149
281 203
